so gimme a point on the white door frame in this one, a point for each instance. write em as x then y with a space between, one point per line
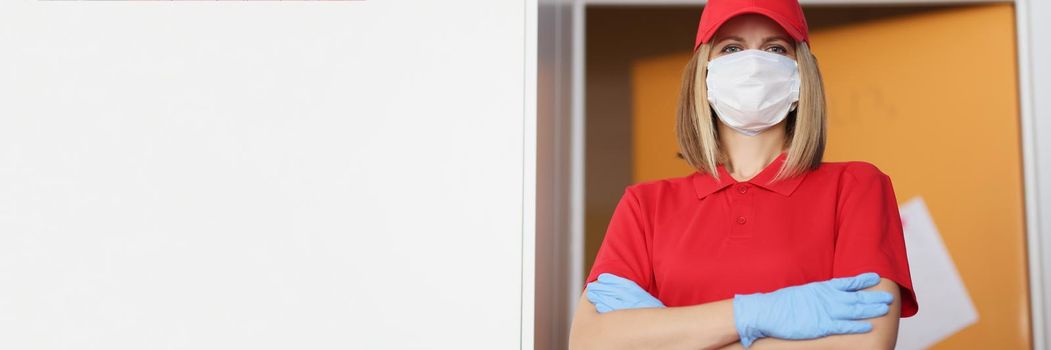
1034 90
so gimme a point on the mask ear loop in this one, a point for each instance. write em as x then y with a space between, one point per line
797 88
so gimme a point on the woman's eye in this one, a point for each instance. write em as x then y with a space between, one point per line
777 49
730 49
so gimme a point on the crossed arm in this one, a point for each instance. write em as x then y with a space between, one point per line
710 326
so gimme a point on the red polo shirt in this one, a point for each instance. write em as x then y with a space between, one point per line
692 240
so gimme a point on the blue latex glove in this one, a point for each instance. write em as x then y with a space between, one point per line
811 310
611 292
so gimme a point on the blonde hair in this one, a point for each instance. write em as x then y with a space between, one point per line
805 129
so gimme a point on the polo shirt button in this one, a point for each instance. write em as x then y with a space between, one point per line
741 220
742 189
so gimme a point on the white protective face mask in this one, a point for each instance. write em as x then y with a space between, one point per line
752 90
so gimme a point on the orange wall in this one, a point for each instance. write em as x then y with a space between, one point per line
930 98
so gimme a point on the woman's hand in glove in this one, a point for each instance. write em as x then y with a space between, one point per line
611 292
811 310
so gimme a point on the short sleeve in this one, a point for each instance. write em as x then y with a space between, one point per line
869 233
626 248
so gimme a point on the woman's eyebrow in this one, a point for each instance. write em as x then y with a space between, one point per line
768 39
775 38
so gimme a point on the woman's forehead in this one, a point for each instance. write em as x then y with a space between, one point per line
751 26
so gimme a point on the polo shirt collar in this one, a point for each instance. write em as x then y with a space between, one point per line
704 184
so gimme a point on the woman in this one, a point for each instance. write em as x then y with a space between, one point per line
764 246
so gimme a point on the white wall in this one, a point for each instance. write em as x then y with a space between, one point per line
265 175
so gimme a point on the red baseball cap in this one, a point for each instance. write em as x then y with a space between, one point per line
787 13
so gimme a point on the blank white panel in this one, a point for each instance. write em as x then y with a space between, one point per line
261 175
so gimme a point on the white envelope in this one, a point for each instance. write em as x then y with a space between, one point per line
945 306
